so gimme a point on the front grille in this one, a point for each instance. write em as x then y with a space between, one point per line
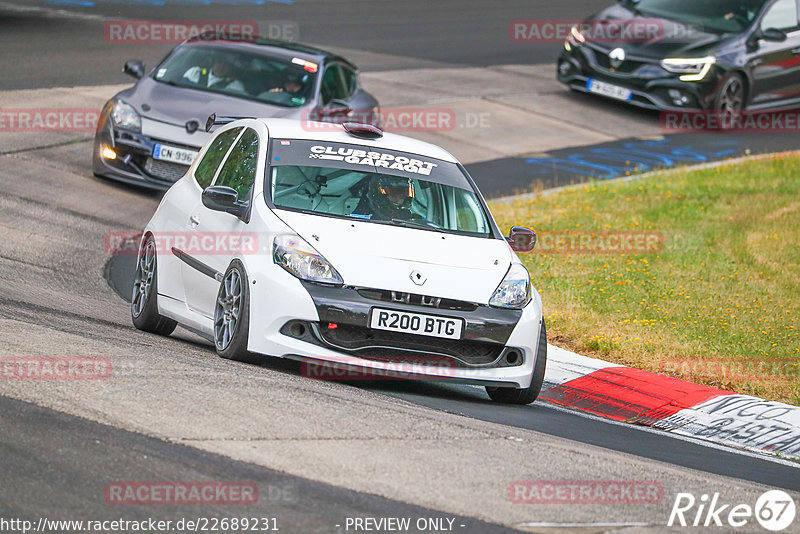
627 66
380 345
418 300
165 170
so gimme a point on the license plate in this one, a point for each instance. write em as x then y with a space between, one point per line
416 323
174 154
607 89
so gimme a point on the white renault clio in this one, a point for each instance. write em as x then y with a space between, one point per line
337 245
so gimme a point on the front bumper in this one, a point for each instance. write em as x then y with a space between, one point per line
497 347
134 163
650 85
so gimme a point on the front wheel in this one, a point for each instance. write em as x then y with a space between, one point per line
730 98
232 316
144 305
529 394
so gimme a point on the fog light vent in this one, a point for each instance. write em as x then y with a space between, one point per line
679 98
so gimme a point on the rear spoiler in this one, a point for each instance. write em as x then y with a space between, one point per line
213 120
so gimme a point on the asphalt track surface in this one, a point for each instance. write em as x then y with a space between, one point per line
55 462
396 34
568 166
471 401
82 454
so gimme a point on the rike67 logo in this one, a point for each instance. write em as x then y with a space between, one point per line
774 510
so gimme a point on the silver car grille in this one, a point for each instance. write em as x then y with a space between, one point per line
165 170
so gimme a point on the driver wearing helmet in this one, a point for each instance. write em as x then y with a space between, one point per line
289 93
387 198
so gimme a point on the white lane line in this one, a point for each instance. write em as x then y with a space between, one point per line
540 524
697 441
51 12
564 365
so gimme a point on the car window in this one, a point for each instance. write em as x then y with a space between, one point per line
281 80
239 170
332 85
782 15
207 168
723 16
350 81
378 197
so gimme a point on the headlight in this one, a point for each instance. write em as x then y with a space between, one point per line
294 254
575 38
692 70
124 116
515 289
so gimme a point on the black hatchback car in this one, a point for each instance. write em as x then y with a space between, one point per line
724 55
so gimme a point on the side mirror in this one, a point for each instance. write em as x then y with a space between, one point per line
223 198
770 34
134 68
336 107
773 34
521 239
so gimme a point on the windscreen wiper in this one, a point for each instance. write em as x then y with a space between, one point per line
420 225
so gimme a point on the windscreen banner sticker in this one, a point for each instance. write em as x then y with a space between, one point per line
372 159
366 159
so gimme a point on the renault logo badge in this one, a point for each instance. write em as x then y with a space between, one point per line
417 277
616 57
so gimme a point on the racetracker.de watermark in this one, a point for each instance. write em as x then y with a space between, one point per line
177 31
48 120
781 121
180 493
617 31
599 242
430 367
396 119
585 492
733 369
190 242
54 368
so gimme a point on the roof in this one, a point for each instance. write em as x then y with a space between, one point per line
295 129
271 46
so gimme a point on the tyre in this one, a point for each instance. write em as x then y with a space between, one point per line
232 316
730 98
144 300
529 394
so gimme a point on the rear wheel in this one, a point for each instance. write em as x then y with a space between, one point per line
232 316
529 394
144 300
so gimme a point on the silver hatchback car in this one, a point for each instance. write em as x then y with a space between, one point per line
150 133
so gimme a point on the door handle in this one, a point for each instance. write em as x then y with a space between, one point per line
195 220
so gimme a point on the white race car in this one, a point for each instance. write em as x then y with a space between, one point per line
340 246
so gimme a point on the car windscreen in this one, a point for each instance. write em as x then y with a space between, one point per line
281 81
375 185
720 16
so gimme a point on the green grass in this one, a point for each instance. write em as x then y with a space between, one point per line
717 304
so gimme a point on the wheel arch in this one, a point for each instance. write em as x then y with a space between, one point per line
744 74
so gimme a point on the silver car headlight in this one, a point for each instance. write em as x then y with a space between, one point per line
515 289
691 69
124 116
294 254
